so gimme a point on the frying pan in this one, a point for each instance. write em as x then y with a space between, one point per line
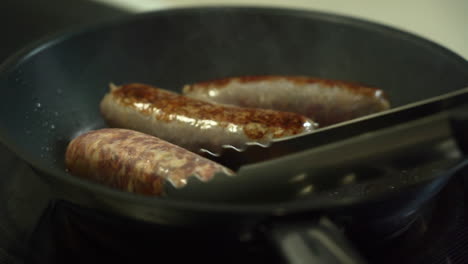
51 91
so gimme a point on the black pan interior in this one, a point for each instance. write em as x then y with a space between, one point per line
51 92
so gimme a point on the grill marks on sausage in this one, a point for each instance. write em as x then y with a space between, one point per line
325 101
135 162
168 106
195 124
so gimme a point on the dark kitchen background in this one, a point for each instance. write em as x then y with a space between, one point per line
24 203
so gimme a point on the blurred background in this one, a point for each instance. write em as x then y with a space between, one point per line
23 21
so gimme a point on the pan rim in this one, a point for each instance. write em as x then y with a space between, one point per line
15 61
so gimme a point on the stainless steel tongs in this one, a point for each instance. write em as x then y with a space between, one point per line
290 166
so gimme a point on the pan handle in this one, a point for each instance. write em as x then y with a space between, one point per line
319 243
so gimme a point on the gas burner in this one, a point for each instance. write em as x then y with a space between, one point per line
426 230
70 234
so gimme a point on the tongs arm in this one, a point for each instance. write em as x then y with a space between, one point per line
294 165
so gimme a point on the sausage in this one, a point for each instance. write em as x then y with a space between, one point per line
194 124
135 162
325 101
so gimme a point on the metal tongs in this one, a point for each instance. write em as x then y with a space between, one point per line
289 167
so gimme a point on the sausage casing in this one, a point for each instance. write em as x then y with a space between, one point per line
195 124
135 162
325 101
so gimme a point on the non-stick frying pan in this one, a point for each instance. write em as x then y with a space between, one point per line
51 93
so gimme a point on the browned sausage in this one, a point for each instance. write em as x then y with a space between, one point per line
195 124
325 101
135 162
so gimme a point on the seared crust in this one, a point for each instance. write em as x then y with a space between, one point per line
325 101
195 124
135 162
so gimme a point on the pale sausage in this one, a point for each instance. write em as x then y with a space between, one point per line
325 101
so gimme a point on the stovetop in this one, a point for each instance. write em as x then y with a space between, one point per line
23 197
